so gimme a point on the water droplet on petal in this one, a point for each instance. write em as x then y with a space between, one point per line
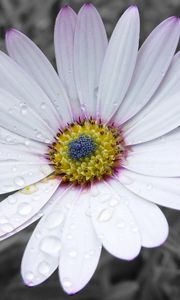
24 209
54 219
29 277
43 105
44 268
105 215
69 237
73 253
149 186
113 202
3 220
51 245
121 225
24 109
66 283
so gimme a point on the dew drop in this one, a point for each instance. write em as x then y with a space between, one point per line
29 277
72 253
43 105
121 225
26 142
24 209
24 109
51 246
149 186
69 237
54 219
113 202
19 181
105 215
3 220
44 268
66 283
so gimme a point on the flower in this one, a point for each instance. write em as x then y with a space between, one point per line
93 150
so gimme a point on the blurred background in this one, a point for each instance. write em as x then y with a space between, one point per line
155 274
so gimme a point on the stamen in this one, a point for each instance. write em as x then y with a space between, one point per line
82 147
86 151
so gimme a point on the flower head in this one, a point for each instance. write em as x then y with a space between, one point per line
92 149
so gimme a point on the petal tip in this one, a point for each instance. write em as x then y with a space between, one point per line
88 5
66 9
10 31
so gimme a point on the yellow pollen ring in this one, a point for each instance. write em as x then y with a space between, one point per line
102 163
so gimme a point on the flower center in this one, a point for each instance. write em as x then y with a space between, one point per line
83 146
87 151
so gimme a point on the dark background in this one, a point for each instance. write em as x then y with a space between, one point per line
155 274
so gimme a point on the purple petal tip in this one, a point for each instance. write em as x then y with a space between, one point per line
88 5
10 31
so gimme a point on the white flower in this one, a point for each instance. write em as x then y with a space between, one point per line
97 131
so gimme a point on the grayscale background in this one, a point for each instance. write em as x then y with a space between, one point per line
155 274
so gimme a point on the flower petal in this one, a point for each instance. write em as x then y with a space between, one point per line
156 158
81 247
114 222
18 209
89 49
152 64
42 253
34 62
20 153
64 49
150 220
15 175
18 117
16 81
163 118
8 138
168 87
163 191
119 63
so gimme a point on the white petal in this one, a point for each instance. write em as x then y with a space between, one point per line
163 118
34 62
19 118
81 248
152 64
20 153
150 220
8 138
119 63
114 222
89 49
18 210
155 158
163 191
64 49
15 175
168 87
41 256
16 81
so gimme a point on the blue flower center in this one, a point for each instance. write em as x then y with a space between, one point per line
82 147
